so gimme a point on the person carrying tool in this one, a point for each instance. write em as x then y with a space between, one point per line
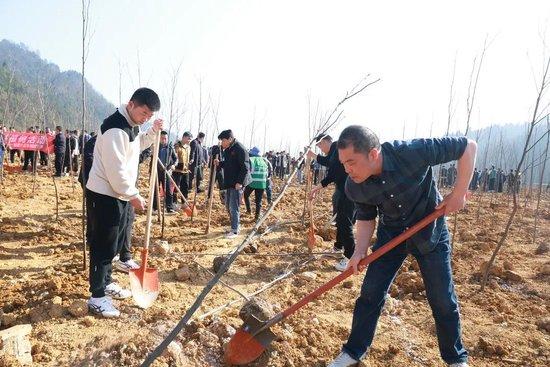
111 187
236 176
342 206
181 172
258 171
216 152
168 157
394 182
196 163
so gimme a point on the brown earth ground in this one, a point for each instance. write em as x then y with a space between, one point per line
42 282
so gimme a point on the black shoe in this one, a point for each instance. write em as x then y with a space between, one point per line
199 190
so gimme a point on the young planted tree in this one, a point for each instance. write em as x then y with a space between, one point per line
544 82
85 50
541 179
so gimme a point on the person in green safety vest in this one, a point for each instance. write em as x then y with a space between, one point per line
259 172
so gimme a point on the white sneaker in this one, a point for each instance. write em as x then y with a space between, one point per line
103 306
231 234
126 266
343 360
342 264
459 364
117 292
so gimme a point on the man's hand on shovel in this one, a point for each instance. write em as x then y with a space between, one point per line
158 125
139 203
353 263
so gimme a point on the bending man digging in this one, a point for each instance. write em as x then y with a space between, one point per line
394 182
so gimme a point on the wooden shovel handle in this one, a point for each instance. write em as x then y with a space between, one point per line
152 180
367 260
173 182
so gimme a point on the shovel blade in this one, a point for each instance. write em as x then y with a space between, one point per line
188 211
248 343
145 286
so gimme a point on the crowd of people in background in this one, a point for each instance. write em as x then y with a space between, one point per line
487 180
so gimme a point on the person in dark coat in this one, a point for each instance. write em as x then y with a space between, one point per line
344 208
29 160
59 150
196 163
216 153
236 175
168 157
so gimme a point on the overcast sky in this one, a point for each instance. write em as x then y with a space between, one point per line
269 56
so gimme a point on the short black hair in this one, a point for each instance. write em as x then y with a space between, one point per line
163 132
226 134
361 138
200 135
321 137
59 128
148 97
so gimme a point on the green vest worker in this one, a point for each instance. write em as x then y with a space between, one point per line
259 172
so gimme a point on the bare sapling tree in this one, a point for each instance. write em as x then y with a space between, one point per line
483 176
544 82
86 38
541 179
470 100
252 128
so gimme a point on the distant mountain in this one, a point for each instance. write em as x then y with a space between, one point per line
34 91
502 145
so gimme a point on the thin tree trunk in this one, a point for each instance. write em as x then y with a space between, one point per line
539 194
532 125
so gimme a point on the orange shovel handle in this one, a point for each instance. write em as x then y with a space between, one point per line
367 260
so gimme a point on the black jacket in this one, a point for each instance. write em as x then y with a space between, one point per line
168 157
88 159
215 152
59 143
236 166
335 172
196 154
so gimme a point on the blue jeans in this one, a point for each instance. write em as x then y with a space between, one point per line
232 203
435 268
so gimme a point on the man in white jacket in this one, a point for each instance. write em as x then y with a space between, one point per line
111 187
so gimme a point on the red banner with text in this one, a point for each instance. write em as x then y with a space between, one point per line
29 141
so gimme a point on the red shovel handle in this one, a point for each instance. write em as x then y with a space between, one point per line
367 260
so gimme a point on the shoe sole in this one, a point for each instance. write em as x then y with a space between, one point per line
99 313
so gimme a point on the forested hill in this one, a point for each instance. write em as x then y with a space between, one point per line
34 91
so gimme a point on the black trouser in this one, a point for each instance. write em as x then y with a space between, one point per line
258 194
29 158
67 161
126 240
268 191
315 176
195 174
345 218
182 180
13 153
43 158
59 158
165 183
75 163
107 221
